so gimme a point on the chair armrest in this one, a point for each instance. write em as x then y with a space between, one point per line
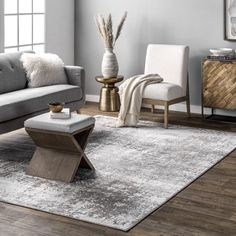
76 76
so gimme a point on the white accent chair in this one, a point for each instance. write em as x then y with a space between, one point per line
171 63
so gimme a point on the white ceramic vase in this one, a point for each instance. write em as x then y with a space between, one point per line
110 65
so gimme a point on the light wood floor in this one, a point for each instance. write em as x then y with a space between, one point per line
206 207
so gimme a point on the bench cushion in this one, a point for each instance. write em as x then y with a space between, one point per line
75 123
27 101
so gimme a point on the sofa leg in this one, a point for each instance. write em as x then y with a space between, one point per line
78 111
153 109
166 113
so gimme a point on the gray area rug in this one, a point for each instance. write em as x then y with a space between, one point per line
137 170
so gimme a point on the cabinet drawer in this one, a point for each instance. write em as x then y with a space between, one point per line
219 84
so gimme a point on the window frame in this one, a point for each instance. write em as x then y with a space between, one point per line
32 14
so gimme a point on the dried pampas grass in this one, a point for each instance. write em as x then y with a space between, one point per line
105 29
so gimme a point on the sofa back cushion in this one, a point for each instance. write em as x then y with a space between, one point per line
12 74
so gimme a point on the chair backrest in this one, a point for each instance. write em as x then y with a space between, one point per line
169 61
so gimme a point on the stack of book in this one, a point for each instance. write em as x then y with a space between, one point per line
64 114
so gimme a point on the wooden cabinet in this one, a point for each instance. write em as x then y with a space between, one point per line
219 84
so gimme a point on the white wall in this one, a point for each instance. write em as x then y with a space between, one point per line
1 26
59 28
197 23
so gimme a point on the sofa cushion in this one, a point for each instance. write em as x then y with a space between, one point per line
12 74
26 101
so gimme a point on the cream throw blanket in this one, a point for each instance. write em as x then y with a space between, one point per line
131 94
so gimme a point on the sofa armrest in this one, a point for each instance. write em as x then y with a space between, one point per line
76 76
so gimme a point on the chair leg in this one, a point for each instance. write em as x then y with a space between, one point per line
188 107
166 115
188 98
153 109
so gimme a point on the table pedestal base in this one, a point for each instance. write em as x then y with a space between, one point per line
109 99
109 96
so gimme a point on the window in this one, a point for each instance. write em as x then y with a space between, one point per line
24 27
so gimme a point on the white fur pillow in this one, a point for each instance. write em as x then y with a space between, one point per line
43 69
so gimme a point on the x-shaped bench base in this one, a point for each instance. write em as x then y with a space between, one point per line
59 155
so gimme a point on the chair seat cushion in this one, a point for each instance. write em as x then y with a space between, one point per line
26 101
75 123
163 91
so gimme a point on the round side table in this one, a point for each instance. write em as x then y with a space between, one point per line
109 96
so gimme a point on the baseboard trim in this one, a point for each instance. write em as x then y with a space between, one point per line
176 107
92 98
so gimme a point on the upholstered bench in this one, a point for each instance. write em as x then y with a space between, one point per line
60 145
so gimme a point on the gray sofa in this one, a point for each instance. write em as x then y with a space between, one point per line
18 102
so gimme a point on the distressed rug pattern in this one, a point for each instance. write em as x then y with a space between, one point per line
137 171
